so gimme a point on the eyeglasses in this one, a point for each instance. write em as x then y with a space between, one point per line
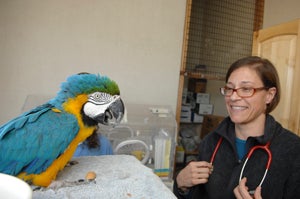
242 92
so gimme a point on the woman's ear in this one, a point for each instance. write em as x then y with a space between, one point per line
270 95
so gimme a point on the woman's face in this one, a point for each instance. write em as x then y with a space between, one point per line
246 110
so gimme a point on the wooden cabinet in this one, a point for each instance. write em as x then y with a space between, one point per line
281 45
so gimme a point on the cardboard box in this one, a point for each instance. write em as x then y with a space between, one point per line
185 108
210 122
186 113
197 85
186 116
185 119
197 118
205 109
202 98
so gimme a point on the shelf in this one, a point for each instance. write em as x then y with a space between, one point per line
201 75
191 123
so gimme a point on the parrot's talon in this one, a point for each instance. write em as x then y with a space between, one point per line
71 163
57 184
36 188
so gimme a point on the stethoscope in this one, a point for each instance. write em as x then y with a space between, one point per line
265 147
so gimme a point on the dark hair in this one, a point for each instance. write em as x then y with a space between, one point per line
265 70
93 141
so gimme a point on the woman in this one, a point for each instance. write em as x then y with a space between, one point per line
251 92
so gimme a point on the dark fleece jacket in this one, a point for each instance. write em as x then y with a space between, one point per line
282 179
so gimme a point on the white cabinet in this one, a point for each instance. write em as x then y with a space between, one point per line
281 45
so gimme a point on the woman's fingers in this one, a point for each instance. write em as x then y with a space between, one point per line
194 173
257 193
242 192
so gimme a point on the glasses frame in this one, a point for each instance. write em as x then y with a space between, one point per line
222 90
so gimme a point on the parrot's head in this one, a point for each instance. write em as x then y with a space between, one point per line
93 98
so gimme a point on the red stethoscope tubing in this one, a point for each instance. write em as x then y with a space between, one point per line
216 150
265 147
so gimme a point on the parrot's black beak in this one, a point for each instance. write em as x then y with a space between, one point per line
114 113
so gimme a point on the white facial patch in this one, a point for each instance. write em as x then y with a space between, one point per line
98 103
92 110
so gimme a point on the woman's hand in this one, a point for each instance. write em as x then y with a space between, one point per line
196 172
241 191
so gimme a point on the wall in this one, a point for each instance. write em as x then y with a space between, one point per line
135 42
280 11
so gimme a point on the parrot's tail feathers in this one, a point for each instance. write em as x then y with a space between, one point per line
10 168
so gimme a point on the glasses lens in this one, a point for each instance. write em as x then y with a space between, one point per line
245 92
226 91
242 92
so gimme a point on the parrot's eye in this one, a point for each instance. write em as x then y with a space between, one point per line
100 98
97 95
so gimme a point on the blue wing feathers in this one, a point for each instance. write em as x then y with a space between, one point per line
32 141
20 121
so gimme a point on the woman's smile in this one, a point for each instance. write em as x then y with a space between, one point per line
238 108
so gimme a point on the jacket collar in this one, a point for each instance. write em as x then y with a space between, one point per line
226 129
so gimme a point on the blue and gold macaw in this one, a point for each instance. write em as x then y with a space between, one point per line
39 143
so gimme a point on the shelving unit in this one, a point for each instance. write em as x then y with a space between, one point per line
216 33
214 38
201 75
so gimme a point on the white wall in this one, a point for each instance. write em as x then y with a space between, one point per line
137 43
280 11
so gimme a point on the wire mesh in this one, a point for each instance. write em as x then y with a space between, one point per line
220 32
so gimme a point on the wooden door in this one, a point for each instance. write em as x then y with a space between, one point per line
281 44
